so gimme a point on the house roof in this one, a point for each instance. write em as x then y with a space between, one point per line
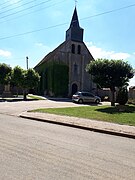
132 87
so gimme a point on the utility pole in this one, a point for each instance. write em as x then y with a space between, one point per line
27 62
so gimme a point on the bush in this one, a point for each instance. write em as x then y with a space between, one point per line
122 96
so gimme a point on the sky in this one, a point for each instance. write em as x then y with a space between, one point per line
33 28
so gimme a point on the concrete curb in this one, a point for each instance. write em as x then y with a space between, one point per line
109 132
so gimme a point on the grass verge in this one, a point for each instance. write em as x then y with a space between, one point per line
103 113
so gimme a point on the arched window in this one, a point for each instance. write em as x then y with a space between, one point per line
73 48
79 49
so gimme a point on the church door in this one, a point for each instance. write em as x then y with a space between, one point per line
74 88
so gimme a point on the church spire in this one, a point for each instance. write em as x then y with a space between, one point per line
75 32
74 21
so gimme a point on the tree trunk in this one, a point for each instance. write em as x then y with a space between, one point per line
17 92
24 95
112 96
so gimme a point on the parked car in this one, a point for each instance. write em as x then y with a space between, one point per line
85 97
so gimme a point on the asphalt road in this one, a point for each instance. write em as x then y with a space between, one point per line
16 108
31 150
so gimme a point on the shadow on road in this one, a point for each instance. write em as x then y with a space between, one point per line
16 100
59 99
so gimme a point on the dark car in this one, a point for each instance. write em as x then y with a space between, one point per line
85 97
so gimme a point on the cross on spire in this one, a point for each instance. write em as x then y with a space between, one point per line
76 2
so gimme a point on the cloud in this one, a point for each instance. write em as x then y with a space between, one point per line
119 55
39 45
43 47
14 1
56 14
4 53
98 52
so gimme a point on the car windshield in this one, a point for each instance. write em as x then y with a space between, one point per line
77 93
85 94
88 94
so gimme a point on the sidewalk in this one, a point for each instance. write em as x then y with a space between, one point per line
92 125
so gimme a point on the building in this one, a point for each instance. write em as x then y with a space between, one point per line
131 95
63 71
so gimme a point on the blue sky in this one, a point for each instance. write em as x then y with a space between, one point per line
35 27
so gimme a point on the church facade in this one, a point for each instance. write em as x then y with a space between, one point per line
63 71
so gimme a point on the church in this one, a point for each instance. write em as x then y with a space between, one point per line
63 71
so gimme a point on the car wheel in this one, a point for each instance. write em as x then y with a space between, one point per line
80 101
97 101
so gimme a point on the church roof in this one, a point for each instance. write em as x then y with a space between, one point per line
50 55
74 21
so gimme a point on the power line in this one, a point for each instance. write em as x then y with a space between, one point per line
4 3
15 7
10 4
25 9
108 12
30 32
42 8
58 25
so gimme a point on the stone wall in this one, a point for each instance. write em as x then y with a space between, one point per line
13 90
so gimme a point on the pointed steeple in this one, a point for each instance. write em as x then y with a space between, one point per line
74 21
75 32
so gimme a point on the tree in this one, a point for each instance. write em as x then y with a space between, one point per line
110 74
5 73
30 80
26 79
17 77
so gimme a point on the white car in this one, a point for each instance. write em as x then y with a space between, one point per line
85 97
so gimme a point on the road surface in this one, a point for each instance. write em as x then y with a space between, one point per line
31 150
16 108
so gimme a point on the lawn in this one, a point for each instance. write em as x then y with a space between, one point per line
103 113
